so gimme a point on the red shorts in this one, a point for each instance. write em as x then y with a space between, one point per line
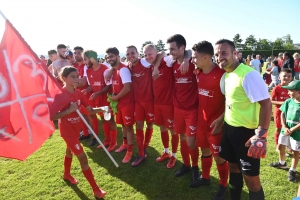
125 115
185 121
277 120
144 110
164 115
73 144
205 139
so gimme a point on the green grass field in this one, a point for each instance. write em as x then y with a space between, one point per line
39 177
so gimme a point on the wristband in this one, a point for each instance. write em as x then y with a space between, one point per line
259 132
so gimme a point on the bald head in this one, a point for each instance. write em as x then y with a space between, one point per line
150 53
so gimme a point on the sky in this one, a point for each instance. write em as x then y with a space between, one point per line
99 24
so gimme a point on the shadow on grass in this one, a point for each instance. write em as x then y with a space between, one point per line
152 179
76 189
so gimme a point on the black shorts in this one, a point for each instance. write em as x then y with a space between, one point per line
234 150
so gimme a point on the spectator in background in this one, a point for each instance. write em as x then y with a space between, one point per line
248 60
280 59
288 62
267 76
255 63
260 60
296 65
240 57
43 59
52 54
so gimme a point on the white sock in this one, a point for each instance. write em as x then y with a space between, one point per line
282 162
167 150
174 155
293 169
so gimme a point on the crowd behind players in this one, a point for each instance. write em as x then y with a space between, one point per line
280 71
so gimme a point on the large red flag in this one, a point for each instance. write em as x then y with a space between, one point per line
27 94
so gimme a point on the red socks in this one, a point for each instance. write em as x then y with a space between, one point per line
67 165
223 173
276 136
106 130
195 156
129 148
125 141
148 137
113 137
165 139
95 125
90 177
206 165
140 141
184 149
175 141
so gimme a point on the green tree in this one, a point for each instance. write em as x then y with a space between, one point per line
144 44
160 46
279 43
264 44
237 40
288 42
250 43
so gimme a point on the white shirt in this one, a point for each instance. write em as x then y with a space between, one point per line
255 63
125 75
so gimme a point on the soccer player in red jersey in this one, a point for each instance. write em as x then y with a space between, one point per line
278 96
185 103
210 116
70 125
99 89
143 101
123 94
163 88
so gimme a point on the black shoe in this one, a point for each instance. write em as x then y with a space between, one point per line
184 169
220 194
292 176
195 173
93 142
145 153
83 137
200 182
278 165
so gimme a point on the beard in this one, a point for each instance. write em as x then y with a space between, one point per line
113 63
62 57
90 64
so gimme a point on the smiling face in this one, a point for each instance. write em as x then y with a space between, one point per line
150 54
113 59
225 56
132 55
198 59
87 62
175 52
78 55
285 78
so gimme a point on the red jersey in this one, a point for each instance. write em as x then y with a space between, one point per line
296 65
211 99
279 94
280 62
119 76
163 87
70 125
142 81
80 69
97 82
185 94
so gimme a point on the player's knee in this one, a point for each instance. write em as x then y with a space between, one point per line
205 151
182 137
191 142
163 128
83 161
233 167
139 125
149 125
219 160
253 183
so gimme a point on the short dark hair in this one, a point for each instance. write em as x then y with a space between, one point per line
275 62
204 47
132 46
78 48
179 39
253 56
229 42
287 54
113 50
61 46
52 51
65 71
286 70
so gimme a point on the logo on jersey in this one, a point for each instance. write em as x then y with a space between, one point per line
115 82
193 128
78 102
91 76
183 80
217 149
175 71
74 120
97 83
151 114
204 92
138 74
77 146
127 118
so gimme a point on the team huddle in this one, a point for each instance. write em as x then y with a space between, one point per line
222 109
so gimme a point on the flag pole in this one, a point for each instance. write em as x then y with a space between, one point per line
94 134
1 13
